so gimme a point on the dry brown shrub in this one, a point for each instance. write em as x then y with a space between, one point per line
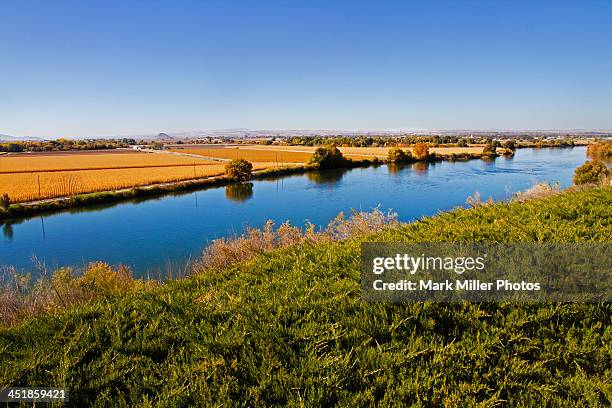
475 200
22 297
223 252
537 191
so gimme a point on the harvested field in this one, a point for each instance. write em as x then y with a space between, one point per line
27 177
39 176
24 186
301 154
78 161
254 154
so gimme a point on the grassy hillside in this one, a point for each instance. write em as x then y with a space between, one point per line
290 328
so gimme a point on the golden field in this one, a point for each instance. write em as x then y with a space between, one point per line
254 154
91 161
68 174
301 154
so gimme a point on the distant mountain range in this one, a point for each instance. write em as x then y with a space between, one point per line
244 132
236 133
7 138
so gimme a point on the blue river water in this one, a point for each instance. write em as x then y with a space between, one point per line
155 235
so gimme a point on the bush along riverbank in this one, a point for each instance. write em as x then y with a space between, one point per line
289 327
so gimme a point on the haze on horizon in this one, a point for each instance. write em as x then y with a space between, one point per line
126 68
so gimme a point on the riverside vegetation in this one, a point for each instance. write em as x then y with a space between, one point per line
596 171
288 327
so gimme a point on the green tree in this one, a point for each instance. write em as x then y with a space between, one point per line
489 149
590 172
328 157
397 155
239 170
509 144
239 192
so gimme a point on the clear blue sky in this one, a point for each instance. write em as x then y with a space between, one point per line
84 68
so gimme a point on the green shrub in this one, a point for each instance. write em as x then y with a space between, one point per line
510 145
591 172
5 201
489 149
239 170
397 155
328 157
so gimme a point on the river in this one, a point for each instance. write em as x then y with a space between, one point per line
155 235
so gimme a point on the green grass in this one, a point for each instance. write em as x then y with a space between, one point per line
290 328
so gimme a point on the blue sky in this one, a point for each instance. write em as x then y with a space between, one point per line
87 68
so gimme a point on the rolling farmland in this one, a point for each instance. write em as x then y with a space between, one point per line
39 176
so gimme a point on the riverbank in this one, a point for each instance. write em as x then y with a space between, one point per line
289 328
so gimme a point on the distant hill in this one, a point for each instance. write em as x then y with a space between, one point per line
164 136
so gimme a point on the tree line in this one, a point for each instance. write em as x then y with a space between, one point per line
65 145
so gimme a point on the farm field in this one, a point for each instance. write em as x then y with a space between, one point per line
254 154
60 175
27 177
87 161
301 154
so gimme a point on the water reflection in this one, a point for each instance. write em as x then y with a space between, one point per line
326 177
396 168
7 230
489 160
239 192
420 167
